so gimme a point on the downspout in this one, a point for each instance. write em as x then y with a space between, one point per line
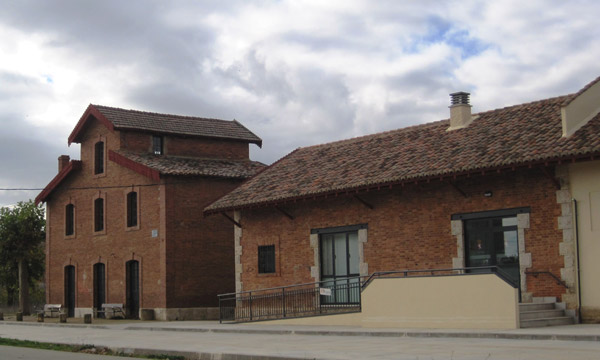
578 268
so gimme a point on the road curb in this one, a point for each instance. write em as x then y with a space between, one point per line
412 334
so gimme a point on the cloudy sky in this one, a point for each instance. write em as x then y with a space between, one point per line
296 73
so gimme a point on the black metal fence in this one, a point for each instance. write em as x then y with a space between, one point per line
331 297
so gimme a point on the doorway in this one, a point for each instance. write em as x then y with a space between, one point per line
70 290
99 287
339 261
493 241
132 288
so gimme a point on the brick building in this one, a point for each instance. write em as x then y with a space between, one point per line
125 223
505 188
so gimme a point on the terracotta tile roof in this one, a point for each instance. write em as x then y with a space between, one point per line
189 166
512 136
121 119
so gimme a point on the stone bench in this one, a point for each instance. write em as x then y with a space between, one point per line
110 310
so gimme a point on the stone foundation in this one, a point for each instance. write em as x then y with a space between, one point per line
175 314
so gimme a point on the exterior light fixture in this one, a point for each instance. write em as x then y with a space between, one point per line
488 193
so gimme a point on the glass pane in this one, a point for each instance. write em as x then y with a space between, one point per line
327 255
479 247
510 221
353 253
354 290
341 291
341 263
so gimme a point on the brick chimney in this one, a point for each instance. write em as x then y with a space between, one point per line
63 161
460 110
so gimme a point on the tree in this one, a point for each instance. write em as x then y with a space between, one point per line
21 237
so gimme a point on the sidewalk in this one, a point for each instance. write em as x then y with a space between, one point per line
211 340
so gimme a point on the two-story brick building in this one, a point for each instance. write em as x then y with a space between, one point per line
125 223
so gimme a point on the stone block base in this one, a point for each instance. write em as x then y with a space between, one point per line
173 314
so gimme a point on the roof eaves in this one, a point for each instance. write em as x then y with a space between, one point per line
402 181
90 111
258 140
58 179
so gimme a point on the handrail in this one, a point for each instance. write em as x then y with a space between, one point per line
291 286
493 269
558 280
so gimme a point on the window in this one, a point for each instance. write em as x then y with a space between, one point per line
266 259
157 145
99 214
132 216
99 157
69 219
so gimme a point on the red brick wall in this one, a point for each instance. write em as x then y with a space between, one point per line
186 146
200 261
409 227
210 148
117 245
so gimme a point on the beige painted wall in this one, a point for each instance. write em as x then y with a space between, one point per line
481 301
585 188
581 110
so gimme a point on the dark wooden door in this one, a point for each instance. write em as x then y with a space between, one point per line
70 290
133 288
99 286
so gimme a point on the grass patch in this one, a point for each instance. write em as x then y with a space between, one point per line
90 349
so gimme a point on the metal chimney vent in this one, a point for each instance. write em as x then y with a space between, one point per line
459 98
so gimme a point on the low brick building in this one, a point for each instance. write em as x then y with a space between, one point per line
125 223
493 189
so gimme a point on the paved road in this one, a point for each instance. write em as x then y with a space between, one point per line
10 353
213 345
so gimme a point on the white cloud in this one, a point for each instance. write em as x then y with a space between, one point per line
296 73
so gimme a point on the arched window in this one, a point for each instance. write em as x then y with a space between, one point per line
99 157
69 219
99 214
132 208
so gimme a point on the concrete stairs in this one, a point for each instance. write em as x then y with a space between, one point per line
538 314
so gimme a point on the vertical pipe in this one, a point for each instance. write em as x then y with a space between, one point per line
578 268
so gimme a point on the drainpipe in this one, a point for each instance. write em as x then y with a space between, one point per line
578 268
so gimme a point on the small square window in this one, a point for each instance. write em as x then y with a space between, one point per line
157 145
266 259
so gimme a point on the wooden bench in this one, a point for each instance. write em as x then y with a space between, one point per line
110 310
51 309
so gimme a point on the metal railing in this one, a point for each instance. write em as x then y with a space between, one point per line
556 278
330 296
502 274
342 295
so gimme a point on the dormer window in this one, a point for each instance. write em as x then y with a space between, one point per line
157 145
99 158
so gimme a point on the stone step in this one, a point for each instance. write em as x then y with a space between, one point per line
541 314
524 307
556 321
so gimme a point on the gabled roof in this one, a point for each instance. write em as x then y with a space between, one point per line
514 136
121 119
62 175
153 166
